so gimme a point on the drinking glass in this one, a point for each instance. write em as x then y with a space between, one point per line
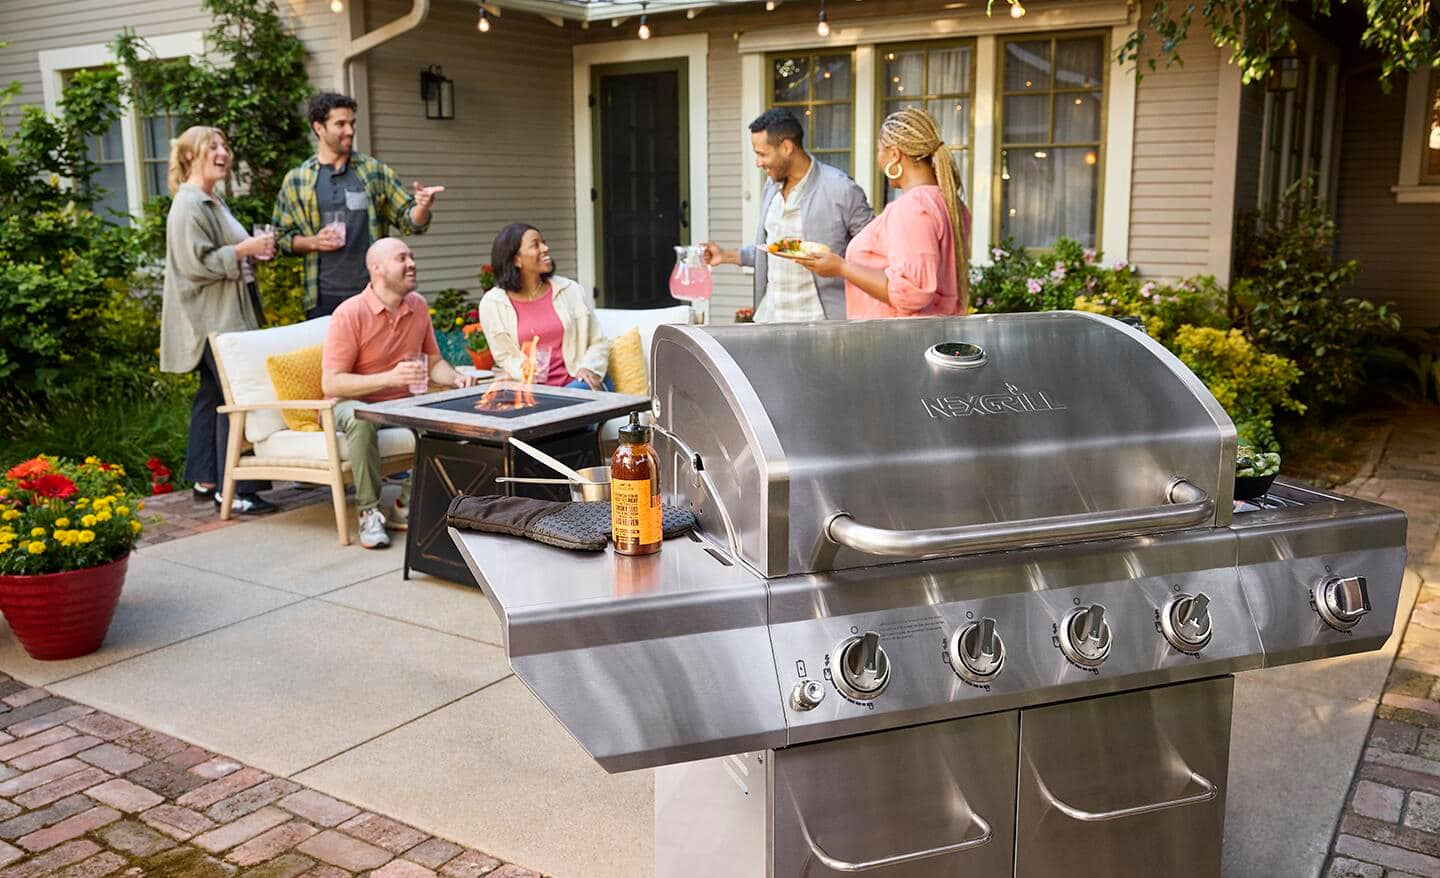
335 219
423 385
261 230
542 365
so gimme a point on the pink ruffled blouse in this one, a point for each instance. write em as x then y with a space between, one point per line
911 241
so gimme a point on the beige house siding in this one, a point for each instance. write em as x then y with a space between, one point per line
1174 176
33 26
507 155
1395 243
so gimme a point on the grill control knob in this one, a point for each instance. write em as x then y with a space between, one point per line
864 669
1342 601
1185 622
1085 636
807 695
976 652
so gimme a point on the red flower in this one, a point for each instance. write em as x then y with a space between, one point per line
32 467
161 488
157 467
51 485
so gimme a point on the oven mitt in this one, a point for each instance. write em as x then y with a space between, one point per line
551 522
673 521
582 526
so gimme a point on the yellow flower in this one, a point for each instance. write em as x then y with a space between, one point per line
135 525
103 515
37 531
36 548
88 536
62 522
82 502
140 505
11 514
459 321
122 510
432 312
88 521
4 492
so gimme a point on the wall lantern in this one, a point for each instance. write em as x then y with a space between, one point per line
1286 72
438 92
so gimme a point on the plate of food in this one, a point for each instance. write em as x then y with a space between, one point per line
794 248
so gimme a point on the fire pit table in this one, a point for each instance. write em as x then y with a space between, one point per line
464 444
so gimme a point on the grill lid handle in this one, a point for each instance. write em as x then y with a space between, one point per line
1188 506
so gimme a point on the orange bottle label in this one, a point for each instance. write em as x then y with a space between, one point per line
634 512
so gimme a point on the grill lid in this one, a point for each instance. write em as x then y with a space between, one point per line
849 444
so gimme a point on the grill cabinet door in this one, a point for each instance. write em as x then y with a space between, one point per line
891 796
1125 783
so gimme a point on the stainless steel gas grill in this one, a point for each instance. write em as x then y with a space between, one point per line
964 600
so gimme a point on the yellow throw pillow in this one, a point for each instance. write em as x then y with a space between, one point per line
296 375
627 364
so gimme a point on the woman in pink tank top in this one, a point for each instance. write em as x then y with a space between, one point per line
911 260
532 307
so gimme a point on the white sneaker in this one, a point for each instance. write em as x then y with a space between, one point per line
372 529
398 516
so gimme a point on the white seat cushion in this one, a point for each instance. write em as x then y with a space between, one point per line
615 322
295 445
242 356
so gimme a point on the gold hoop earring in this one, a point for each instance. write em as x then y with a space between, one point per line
895 174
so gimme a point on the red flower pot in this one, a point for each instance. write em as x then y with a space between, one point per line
63 615
482 359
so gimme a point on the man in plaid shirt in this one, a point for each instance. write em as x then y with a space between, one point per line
339 202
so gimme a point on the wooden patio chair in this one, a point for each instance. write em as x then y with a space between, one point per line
262 447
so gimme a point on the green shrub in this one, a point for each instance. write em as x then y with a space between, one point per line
1287 299
1252 386
63 269
126 428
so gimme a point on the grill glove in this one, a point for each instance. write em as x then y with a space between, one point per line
580 526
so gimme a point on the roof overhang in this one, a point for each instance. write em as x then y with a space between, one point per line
586 11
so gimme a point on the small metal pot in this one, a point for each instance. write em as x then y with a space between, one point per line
580 492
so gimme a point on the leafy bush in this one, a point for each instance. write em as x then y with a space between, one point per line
62 268
1249 384
59 515
1288 301
127 428
1164 308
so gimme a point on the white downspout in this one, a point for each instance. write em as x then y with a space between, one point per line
367 42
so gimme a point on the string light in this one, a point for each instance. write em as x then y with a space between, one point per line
823 28
1016 9
644 31
484 25
337 6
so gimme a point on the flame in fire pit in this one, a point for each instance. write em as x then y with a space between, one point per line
500 398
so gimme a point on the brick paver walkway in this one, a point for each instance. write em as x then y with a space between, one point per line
172 516
84 794
1391 823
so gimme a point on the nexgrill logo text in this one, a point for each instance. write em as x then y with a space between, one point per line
1013 401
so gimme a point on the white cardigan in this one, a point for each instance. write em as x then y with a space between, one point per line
584 345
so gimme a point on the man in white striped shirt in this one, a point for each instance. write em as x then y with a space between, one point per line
806 199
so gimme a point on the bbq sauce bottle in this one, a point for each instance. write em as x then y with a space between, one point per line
635 492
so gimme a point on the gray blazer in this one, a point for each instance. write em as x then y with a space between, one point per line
832 211
204 289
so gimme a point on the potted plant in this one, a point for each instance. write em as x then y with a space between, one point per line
478 346
66 531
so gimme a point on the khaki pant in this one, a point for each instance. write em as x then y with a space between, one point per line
364 447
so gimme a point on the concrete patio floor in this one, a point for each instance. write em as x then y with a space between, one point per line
269 643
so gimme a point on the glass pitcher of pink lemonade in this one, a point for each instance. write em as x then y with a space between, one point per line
690 281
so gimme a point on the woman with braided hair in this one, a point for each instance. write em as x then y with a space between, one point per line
911 260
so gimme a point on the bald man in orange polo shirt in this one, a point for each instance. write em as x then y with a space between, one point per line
366 346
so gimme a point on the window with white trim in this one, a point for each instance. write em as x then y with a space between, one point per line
820 90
